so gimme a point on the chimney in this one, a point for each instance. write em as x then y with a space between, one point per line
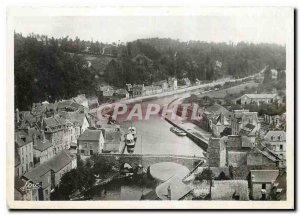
34 139
43 136
17 115
169 192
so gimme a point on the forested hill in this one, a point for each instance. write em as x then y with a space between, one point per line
45 69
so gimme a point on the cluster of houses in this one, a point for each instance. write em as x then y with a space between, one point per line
48 140
107 92
246 153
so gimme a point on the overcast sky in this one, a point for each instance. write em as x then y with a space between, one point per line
184 28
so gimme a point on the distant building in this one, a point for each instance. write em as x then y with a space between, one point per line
122 93
274 73
70 106
138 90
82 100
105 90
258 99
151 90
163 84
262 183
172 83
90 142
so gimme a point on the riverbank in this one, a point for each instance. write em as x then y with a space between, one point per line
173 92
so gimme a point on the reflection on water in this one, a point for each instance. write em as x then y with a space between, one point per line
124 189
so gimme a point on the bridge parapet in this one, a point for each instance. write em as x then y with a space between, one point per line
147 160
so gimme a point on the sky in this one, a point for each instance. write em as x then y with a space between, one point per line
110 29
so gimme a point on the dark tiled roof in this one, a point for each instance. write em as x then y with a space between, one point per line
22 138
90 135
261 176
19 185
226 190
36 174
42 145
234 141
76 117
60 160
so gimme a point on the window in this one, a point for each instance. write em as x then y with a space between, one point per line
263 186
272 137
279 137
281 147
82 151
91 152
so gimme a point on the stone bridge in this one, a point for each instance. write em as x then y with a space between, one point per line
147 160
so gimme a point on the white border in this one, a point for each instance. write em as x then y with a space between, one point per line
154 11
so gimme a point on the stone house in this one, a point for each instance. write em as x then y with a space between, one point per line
90 142
276 142
41 176
262 183
60 164
24 151
43 149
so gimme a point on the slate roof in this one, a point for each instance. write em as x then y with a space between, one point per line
42 145
19 185
264 176
76 117
90 135
37 173
234 141
275 134
225 190
18 138
218 109
59 161
112 141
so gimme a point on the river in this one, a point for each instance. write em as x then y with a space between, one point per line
155 137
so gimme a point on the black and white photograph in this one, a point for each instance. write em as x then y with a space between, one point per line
150 108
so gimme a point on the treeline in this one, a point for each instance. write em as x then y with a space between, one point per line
44 72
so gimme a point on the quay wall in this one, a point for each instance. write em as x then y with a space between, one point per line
198 140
